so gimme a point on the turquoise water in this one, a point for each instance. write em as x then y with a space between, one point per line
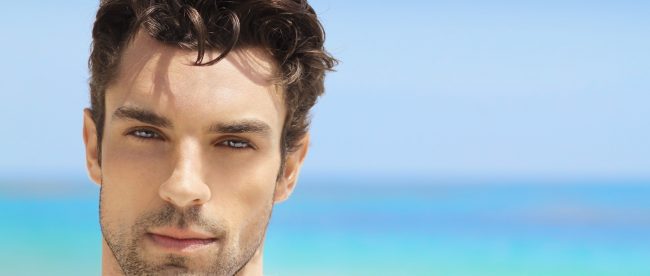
383 227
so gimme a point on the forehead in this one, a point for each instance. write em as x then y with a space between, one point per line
164 78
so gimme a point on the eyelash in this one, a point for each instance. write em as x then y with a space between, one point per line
234 144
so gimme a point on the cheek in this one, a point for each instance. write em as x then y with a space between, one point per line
130 179
243 189
247 176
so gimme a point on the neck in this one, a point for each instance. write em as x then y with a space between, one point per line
110 266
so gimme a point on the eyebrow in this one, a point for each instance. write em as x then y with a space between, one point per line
242 126
150 117
142 115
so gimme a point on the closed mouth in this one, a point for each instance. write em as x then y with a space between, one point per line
180 240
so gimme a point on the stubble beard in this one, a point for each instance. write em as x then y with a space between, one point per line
125 245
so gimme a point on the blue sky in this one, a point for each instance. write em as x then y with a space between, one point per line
461 88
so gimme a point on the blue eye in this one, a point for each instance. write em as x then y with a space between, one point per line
145 134
236 144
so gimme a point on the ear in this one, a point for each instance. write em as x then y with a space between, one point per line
292 166
92 150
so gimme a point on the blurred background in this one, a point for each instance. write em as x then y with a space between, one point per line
456 138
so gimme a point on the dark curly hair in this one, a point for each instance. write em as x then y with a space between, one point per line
288 30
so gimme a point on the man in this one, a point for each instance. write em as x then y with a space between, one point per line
198 125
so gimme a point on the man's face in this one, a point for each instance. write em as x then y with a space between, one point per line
190 159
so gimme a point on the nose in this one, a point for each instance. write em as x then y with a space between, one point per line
185 187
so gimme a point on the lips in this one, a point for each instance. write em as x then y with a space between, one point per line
180 240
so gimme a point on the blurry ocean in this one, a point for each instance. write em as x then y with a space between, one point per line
368 226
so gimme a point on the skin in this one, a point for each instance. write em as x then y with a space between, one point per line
208 161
